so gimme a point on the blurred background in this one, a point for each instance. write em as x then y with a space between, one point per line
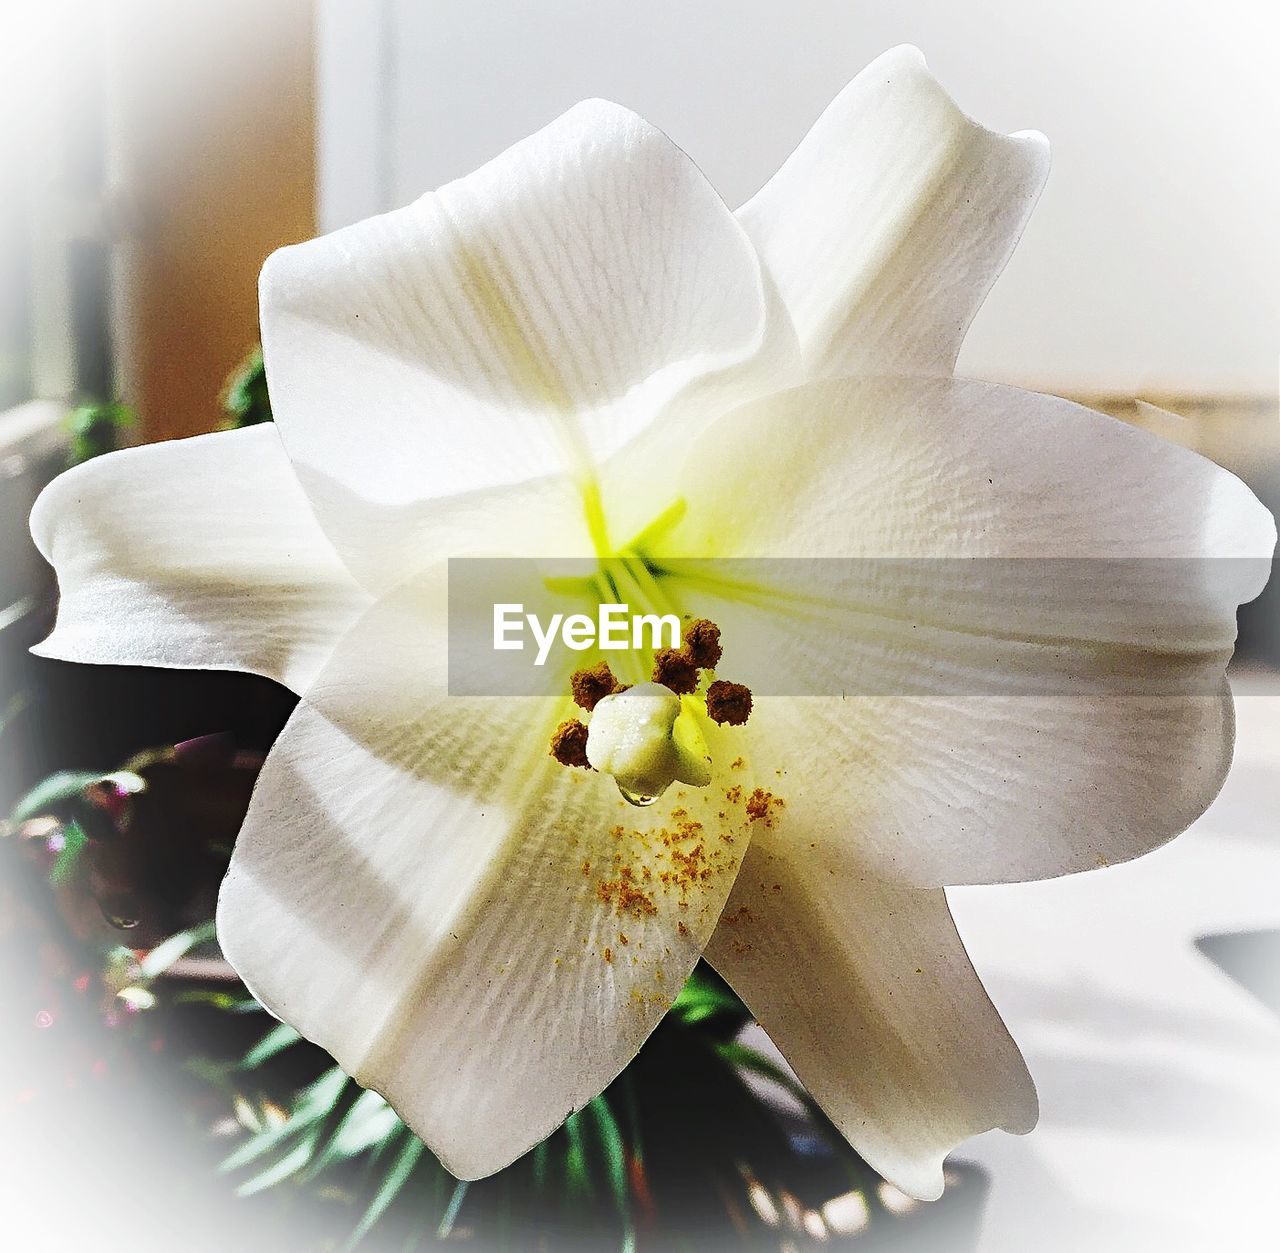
153 154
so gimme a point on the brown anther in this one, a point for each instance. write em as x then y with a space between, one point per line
674 668
592 685
728 703
702 641
569 744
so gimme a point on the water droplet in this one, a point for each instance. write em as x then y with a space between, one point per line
634 798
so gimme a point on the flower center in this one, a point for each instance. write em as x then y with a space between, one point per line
650 735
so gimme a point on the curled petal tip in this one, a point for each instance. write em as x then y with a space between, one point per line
907 54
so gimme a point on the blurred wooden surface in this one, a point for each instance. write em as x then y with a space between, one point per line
1241 433
212 166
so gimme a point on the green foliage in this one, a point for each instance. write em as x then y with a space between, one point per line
97 427
68 858
102 426
406 1160
162 957
708 1001
673 1145
677 1153
277 1039
245 401
63 796
53 795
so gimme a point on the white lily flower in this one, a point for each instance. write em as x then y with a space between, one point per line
542 359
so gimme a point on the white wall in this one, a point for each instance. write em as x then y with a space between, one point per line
1152 265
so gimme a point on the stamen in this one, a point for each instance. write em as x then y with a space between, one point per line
591 686
728 703
674 668
702 642
569 744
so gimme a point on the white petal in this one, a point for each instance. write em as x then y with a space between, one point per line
532 317
479 933
887 226
868 992
906 474
387 545
994 789
200 554
1008 718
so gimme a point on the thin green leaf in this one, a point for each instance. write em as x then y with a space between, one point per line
702 998
288 1166
312 1104
15 613
261 1144
392 1182
53 793
321 1095
452 1210
165 954
746 1058
137 998
615 1156
128 781
627 1090
369 1121
577 1176
228 1002
704 1008
75 842
275 1041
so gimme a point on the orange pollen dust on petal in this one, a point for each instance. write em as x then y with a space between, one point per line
762 806
665 880
678 860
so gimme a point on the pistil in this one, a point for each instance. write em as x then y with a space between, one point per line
647 735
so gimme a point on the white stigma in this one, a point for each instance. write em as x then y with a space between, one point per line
647 741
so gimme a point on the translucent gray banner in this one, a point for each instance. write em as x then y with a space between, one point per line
857 627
